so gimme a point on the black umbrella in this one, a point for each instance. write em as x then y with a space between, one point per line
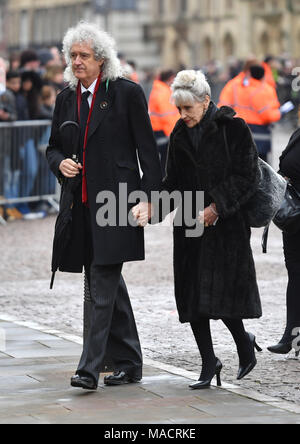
70 133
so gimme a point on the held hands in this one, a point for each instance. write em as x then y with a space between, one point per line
142 213
69 168
209 216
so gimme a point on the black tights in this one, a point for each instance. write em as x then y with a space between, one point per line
293 307
203 338
292 258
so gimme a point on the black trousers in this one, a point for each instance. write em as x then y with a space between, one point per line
112 331
291 245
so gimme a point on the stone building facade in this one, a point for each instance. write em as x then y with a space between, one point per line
166 33
40 23
192 32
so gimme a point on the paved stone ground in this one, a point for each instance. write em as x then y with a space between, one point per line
25 276
38 365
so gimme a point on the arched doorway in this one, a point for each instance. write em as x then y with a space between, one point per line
207 49
265 43
229 46
181 53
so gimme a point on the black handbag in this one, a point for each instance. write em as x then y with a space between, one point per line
287 218
265 203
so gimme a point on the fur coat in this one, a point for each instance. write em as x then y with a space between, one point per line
215 274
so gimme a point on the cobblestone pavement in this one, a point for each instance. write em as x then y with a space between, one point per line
24 293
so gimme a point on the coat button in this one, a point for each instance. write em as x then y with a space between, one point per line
104 105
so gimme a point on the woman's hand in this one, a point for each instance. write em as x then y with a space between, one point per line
142 213
209 216
69 168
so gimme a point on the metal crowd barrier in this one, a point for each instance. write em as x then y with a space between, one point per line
25 176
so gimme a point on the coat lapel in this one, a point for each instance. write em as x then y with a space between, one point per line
71 107
102 106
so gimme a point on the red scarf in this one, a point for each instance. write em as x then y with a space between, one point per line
84 183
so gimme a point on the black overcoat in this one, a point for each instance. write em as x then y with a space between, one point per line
120 134
215 274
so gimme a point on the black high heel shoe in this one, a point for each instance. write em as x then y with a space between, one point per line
245 370
283 349
200 385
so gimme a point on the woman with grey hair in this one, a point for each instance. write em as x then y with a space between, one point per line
214 274
114 132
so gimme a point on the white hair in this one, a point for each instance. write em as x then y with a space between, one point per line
190 86
103 46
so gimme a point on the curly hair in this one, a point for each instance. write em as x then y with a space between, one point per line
190 86
103 46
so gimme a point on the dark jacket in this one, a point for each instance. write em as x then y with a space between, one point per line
294 139
290 160
215 274
46 112
8 104
119 130
22 107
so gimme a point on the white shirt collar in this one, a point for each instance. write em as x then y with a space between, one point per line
91 89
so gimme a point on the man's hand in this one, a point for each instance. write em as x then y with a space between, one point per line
69 168
142 213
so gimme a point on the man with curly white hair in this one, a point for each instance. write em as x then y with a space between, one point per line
115 132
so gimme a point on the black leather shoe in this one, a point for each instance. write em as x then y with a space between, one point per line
83 382
245 370
120 378
283 349
200 385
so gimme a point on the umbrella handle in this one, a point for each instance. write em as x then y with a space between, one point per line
69 123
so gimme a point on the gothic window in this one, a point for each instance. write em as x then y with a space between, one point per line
24 29
261 5
229 45
124 4
207 49
229 4
183 6
265 43
160 8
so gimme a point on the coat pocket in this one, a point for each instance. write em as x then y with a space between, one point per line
130 165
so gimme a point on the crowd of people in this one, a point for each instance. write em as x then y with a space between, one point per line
210 150
260 92
214 272
34 78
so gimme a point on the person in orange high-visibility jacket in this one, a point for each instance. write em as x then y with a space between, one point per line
257 103
226 97
163 113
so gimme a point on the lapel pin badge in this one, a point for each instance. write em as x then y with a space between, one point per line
104 105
